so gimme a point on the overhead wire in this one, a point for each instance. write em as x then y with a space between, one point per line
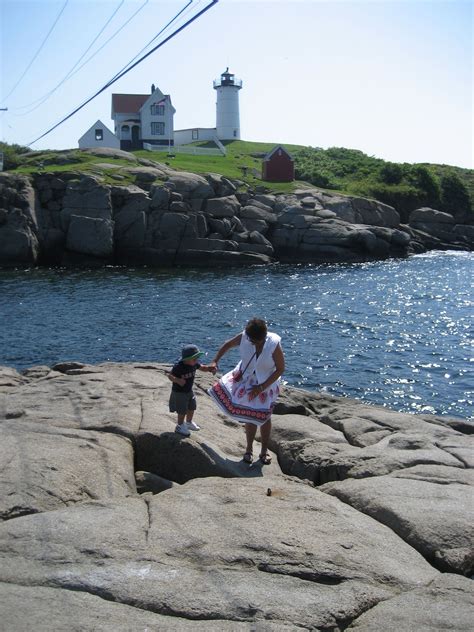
37 53
163 30
38 102
127 70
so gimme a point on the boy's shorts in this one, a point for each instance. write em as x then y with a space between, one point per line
182 402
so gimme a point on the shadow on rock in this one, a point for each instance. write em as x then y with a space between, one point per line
181 459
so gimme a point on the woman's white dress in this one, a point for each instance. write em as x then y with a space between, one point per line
231 393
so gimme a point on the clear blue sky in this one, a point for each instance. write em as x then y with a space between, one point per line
393 79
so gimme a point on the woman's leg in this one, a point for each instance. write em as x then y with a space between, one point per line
250 432
265 432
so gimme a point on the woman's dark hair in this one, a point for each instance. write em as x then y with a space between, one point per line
256 329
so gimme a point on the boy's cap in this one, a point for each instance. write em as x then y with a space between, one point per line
189 352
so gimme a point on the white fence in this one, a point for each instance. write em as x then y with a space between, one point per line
186 149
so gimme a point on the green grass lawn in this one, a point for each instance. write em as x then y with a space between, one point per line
338 170
243 162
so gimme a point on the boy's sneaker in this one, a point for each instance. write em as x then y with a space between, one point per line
192 426
182 429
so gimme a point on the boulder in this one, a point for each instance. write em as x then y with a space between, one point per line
172 225
86 197
259 213
19 221
422 510
190 185
441 226
445 604
222 207
90 236
129 229
221 185
108 152
376 213
160 197
47 468
18 246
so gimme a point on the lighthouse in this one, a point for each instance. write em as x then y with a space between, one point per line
227 106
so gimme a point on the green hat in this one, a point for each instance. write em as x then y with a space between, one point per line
189 352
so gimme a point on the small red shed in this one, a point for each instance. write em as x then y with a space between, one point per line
278 166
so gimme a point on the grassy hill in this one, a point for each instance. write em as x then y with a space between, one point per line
403 185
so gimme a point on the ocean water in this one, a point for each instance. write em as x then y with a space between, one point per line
396 333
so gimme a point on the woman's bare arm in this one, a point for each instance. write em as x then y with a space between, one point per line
229 344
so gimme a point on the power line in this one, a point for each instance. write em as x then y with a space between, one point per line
156 36
122 73
37 53
44 98
71 72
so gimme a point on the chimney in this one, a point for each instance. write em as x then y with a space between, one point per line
153 88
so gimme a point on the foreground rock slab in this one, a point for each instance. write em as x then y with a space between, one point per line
298 556
111 517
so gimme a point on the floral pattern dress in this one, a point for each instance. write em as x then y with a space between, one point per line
231 392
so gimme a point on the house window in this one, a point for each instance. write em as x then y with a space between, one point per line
157 129
99 134
157 110
235 132
195 134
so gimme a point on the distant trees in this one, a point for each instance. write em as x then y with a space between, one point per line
455 197
11 154
403 186
391 173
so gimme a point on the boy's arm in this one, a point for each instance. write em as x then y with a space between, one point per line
176 380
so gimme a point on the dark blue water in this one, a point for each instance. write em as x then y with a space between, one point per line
396 333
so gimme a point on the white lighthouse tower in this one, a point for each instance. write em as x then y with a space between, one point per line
227 106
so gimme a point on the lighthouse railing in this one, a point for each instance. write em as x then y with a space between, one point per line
227 82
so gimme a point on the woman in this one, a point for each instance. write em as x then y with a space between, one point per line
248 392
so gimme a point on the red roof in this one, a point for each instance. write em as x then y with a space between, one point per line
128 103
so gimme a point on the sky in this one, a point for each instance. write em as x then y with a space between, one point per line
393 79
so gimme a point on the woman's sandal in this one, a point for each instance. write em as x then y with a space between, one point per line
265 458
248 457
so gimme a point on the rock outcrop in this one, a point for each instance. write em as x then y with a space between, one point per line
363 520
175 218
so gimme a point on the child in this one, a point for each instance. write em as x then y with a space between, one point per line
182 399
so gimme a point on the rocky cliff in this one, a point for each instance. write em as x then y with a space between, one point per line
111 521
175 218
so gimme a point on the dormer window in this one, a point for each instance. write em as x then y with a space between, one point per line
157 110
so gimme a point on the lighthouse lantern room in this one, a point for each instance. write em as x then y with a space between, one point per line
227 106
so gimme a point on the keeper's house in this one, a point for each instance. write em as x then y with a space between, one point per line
143 118
278 166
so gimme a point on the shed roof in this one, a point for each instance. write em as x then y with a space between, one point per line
275 149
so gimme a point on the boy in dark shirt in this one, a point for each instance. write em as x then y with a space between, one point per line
182 398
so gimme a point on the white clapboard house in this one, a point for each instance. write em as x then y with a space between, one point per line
138 119
146 120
